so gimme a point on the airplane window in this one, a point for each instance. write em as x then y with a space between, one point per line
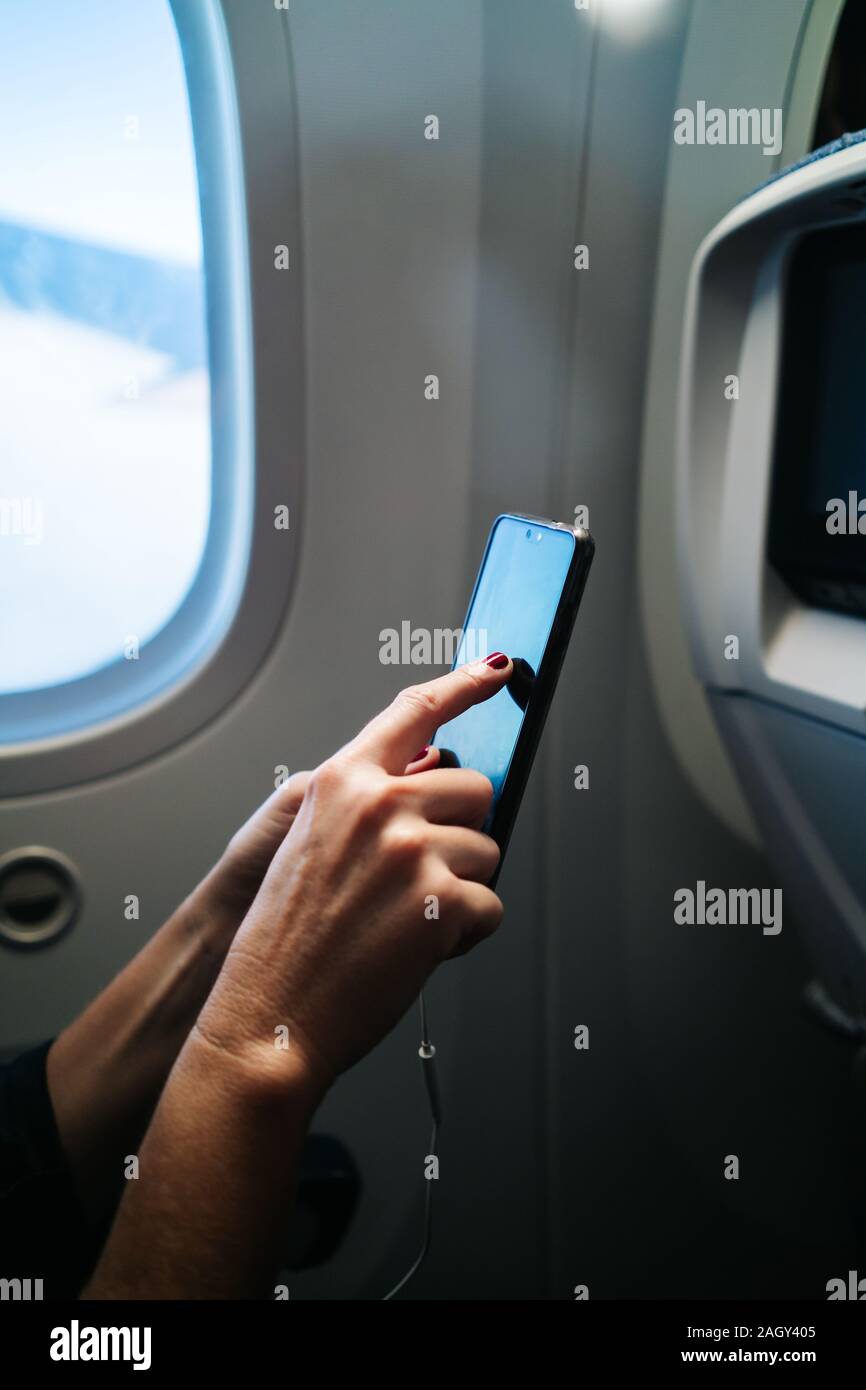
105 481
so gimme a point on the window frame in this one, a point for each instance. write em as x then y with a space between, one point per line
239 75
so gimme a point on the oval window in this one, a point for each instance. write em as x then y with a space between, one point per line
105 436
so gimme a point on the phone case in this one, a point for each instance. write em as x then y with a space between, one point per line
545 681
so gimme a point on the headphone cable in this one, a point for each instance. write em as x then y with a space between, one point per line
427 1053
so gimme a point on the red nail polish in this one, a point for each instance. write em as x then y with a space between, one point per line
497 660
422 754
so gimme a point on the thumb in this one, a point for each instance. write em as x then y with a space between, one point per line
393 737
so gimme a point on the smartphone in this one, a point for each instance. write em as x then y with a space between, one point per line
524 603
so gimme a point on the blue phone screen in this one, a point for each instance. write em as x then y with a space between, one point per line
513 609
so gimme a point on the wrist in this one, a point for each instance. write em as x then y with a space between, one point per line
211 913
277 1067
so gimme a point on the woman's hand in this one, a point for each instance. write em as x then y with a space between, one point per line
381 877
106 1070
232 884
237 876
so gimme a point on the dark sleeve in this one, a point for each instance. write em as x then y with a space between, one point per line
44 1233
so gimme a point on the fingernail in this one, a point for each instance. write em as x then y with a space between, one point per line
497 660
422 754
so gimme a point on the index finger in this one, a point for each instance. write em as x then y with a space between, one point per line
412 719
